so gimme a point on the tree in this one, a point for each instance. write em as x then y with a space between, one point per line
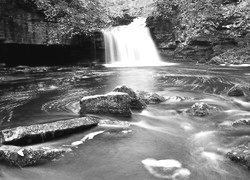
74 16
87 16
214 18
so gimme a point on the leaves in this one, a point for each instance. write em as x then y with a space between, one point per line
193 18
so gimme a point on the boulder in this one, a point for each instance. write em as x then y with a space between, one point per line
240 155
241 122
150 98
216 60
41 132
136 102
116 103
27 156
235 91
201 109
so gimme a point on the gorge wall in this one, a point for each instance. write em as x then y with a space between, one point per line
203 48
26 38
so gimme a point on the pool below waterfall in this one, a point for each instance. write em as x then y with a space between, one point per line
163 140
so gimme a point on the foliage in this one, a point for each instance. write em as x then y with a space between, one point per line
74 16
191 18
87 16
216 18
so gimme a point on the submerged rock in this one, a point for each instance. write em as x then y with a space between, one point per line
241 122
240 155
40 132
150 98
136 102
109 123
26 156
178 99
201 109
235 91
117 103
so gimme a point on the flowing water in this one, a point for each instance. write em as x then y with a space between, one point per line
130 45
162 142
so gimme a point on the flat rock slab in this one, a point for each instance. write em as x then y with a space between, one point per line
41 132
240 155
27 156
116 103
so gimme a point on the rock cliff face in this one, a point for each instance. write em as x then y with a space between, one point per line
202 48
162 31
26 38
164 35
19 24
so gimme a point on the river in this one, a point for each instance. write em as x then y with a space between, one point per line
160 137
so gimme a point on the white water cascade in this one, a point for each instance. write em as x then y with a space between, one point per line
130 45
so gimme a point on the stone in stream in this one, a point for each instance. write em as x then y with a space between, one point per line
241 122
116 103
235 91
111 123
27 156
178 99
150 98
240 155
40 132
201 109
136 101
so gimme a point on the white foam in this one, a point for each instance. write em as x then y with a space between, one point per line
166 169
187 126
126 131
85 138
168 163
181 173
203 134
211 156
139 64
76 143
91 135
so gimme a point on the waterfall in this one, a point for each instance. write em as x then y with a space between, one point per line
130 45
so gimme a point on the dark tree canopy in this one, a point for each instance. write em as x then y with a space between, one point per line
190 17
88 16
206 17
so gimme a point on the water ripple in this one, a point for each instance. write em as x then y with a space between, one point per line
11 100
69 102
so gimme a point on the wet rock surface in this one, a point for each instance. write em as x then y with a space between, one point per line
240 155
27 156
241 122
116 103
136 101
150 98
235 91
109 123
178 99
40 132
201 109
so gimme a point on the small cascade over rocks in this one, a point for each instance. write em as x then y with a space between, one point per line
130 45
